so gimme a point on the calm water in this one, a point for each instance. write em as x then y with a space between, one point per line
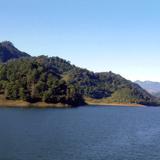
84 133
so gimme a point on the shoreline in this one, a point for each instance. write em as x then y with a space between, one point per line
118 104
24 104
88 101
103 102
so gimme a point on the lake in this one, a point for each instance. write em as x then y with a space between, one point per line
83 133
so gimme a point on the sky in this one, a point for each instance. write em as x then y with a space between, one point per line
122 36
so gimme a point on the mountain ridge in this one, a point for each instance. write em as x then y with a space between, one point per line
9 51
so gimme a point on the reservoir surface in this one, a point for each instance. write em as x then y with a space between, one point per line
83 133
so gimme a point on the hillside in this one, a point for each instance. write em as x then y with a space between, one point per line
8 51
55 80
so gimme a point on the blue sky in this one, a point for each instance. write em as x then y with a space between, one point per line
102 35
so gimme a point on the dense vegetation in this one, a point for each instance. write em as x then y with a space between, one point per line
54 80
107 85
33 80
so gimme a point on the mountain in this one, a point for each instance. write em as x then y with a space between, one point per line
55 80
8 51
157 94
152 87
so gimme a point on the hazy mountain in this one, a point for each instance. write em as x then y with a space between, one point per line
55 80
157 94
151 87
8 51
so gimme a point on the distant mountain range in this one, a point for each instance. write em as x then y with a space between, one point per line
54 80
152 87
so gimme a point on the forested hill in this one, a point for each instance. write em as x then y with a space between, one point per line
55 80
